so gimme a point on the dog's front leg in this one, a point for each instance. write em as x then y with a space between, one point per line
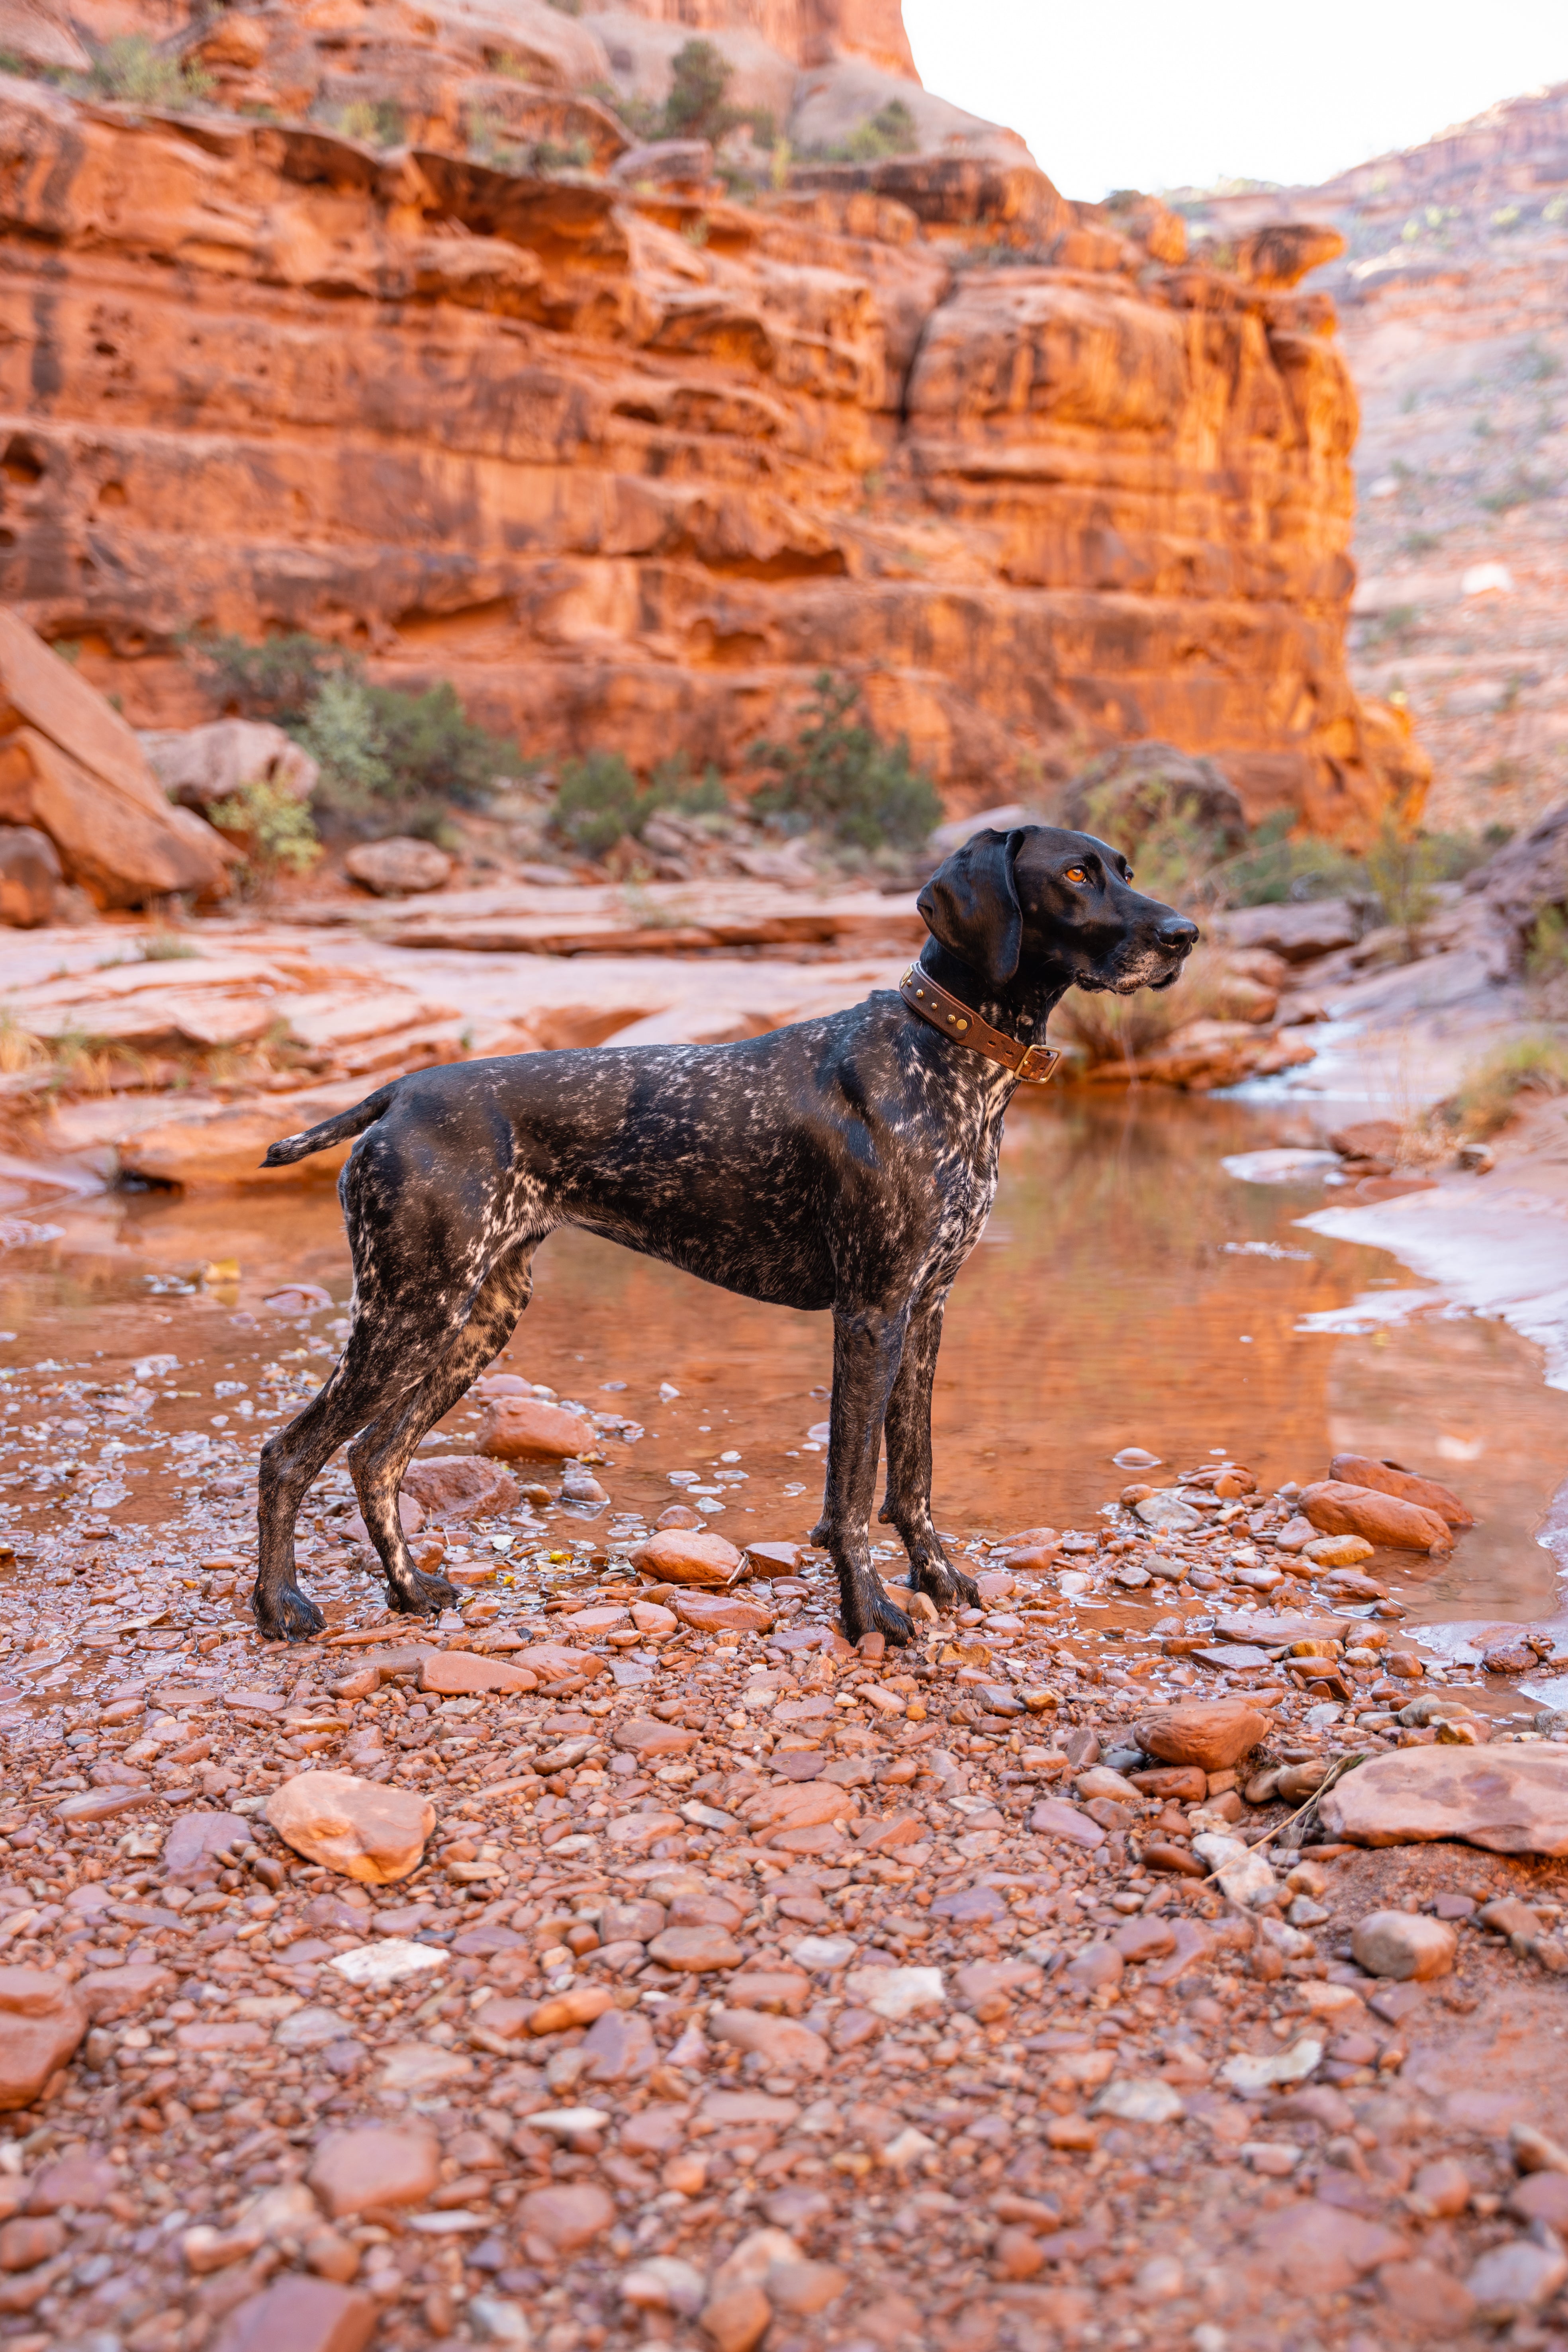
907 1506
867 1347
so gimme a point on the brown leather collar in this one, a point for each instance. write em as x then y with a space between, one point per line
1035 1065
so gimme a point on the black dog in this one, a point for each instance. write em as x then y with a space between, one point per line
848 1163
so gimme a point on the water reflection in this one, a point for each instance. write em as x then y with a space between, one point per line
1129 1291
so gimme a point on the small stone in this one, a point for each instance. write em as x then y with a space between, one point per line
1099 1781
581 2006
1166 1512
780 2040
567 2217
895 1993
1016 2253
1096 1966
1183 1784
1140 2099
1337 1551
1276 2159
386 1961
689 1556
364 1829
1146 1939
25 2244
1336 1508
1054 1818
1071 2132
1541 2197
643 1737
83 2180
804 2288
421 2066
1427 2297
193 1846
665 2283
462 1673
1404 1945
1441 2189
42 2019
495 2320
696 1950
1536 2151
460 1486
398 867
307 2315
523 1428
714 1613
374 2165
109 1994
1517 2277
1213 1733
738 2319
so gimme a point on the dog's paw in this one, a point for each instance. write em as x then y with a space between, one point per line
872 1612
967 1590
289 1616
935 1578
422 1595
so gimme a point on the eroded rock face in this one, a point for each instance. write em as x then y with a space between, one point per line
1113 494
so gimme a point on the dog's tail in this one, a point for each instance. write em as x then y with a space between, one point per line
289 1147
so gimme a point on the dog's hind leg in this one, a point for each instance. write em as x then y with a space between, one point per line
290 1460
908 1504
866 1345
382 1452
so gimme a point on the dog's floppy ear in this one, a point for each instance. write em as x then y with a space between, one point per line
971 905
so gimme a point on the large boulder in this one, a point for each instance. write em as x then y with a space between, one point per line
200 765
1506 1799
399 867
1525 877
1127 793
30 878
71 766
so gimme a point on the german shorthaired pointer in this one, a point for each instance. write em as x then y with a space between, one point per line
848 1163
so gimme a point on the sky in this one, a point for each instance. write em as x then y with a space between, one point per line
1141 94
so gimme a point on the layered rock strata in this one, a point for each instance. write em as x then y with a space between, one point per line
630 463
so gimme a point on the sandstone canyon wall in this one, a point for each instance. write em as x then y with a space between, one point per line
630 458
1452 291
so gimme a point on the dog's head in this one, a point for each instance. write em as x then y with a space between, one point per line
1011 905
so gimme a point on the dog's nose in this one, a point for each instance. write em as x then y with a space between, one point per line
1178 934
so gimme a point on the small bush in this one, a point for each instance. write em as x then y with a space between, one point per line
374 122
276 830
837 775
381 750
131 70
277 679
1489 1095
601 801
695 107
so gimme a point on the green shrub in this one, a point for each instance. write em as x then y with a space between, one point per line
276 679
601 801
1490 1093
374 122
276 829
695 107
837 775
381 750
133 71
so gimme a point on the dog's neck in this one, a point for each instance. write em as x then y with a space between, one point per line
1019 1010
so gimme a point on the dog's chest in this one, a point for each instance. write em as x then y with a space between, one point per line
965 1172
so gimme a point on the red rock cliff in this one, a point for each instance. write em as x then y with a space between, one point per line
630 463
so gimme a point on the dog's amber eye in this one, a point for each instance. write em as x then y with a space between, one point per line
1075 873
